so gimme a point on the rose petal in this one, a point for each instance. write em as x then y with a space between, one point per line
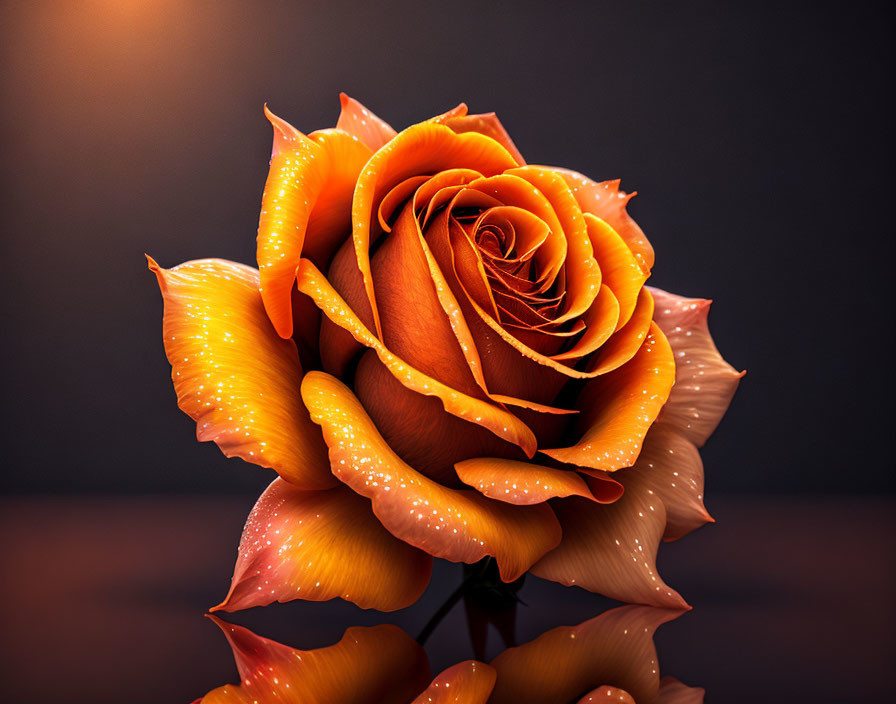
331 218
618 408
357 120
611 549
420 149
607 694
489 125
704 382
621 271
583 275
460 526
306 206
374 665
319 545
672 467
600 322
468 682
415 325
622 346
524 483
672 691
607 202
233 375
499 421
615 649
295 180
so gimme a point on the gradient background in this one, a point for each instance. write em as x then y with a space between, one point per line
759 136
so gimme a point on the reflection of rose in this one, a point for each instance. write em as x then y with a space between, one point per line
609 658
476 311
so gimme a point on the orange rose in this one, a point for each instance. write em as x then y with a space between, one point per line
474 339
608 658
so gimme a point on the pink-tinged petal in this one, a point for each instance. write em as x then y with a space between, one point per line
234 375
489 125
673 691
456 525
319 545
295 179
524 483
618 408
606 201
614 649
376 665
498 420
704 382
607 694
358 121
672 467
611 549
468 682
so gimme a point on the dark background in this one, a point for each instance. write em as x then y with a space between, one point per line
759 137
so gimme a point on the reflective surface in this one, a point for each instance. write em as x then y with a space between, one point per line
103 601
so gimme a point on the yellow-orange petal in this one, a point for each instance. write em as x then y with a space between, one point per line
612 549
456 525
524 483
583 275
423 148
600 322
233 375
673 469
358 121
626 342
330 223
374 665
296 178
606 201
489 125
621 271
469 682
498 420
704 381
615 648
618 408
319 545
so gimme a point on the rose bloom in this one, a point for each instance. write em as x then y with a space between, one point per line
448 353
609 658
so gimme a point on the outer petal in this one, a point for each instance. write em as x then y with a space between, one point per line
318 545
704 382
233 375
619 407
614 649
460 526
612 549
376 665
499 421
363 124
468 682
607 694
296 178
607 202
524 483
489 125
672 467
305 209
